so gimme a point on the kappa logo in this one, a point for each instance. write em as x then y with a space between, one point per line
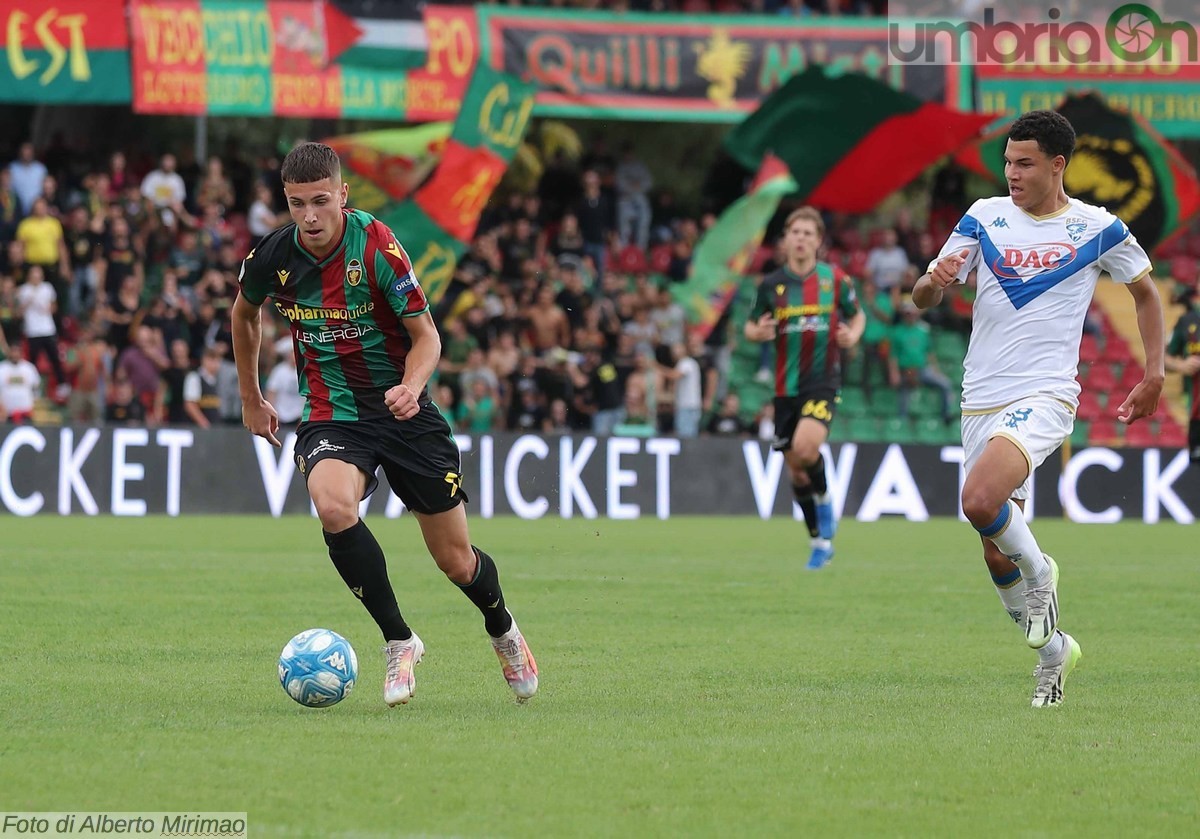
1013 418
354 272
325 446
282 275
337 661
999 221
1076 227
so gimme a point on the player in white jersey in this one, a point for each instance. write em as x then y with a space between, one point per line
1037 254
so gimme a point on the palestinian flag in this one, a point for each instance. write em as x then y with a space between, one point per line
723 254
1120 163
391 35
849 141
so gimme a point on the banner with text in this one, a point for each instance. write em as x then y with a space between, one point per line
696 68
179 471
69 51
1167 95
279 57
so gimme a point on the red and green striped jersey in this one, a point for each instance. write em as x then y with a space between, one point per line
1185 341
807 312
346 313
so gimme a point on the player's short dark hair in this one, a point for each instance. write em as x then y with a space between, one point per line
310 162
1051 129
809 214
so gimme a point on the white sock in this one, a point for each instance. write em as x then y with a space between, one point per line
1012 596
1011 534
823 498
1053 649
818 542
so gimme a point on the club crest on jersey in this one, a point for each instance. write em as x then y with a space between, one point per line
1027 261
1076 227
354 272
282 275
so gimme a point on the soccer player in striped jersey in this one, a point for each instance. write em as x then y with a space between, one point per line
1038 254
809 309
365 346
1183 356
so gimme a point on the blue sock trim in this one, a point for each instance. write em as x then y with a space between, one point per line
999 524
1007 580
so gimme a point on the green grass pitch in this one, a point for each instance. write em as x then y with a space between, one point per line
695 679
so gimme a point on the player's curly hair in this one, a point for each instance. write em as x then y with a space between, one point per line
310 162
1054 134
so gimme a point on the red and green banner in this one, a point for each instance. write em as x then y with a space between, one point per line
696 68
1165 93
384 167
1120 162
438 222
65 51
723 254
282 58
849 140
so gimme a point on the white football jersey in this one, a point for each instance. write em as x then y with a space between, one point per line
1036 276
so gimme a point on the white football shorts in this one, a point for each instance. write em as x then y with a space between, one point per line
1038 425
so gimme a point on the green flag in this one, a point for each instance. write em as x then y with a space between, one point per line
726 249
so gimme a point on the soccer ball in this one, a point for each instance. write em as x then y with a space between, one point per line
318 668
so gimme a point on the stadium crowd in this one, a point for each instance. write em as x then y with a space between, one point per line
116 281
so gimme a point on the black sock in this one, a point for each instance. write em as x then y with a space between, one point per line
484 591
359 559
808 505
816 474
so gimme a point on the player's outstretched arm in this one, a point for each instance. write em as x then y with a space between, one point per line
1143 399
928 290
258 414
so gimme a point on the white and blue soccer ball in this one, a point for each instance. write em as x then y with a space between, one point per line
318 668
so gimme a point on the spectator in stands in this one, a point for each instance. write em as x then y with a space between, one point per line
201 397
633 183
27 175
37 302
549 327
283 389
126 408
10 316
728 421
913 362
142 364
887 264
594 210
263 217
174 381
764 424
119 178
567 240
19 382
875 340
165 190
83 253
456 349
45 244
214 188
477 411
10 208
88 364
687 389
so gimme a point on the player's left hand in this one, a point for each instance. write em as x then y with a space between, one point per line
402 402
845 336
1141 402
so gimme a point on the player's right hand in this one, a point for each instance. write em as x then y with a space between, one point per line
766 326
262 420
1191 365
946 271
